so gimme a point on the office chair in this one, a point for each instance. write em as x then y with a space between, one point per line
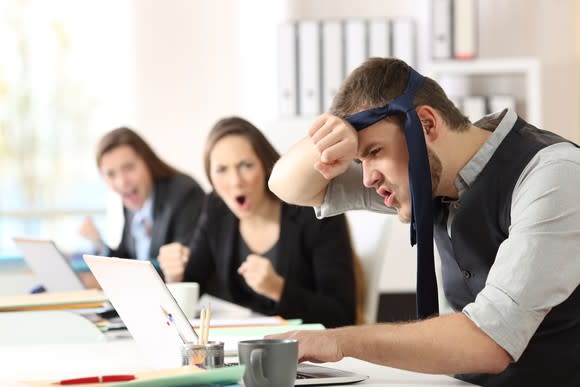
368 231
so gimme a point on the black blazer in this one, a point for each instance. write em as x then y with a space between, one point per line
314 258
176 207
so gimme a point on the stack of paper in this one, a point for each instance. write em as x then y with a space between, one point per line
243 322
82 299
231 336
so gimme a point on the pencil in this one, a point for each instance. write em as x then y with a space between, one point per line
207 317
201 327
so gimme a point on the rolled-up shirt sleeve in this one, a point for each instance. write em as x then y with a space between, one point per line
346 192
537 266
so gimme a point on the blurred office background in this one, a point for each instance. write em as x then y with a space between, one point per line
71 70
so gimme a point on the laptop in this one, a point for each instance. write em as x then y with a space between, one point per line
50 265
143 302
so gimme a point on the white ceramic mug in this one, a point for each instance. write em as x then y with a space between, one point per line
186 294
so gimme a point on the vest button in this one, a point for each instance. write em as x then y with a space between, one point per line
466 274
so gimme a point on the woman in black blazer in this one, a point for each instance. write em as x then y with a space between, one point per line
157 199
252 249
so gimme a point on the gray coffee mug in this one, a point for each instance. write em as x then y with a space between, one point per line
269 362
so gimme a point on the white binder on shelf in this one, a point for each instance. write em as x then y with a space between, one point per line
309 68
464 29
474 107
441 25
287 70
332 60
355 44
404 40
380 38
457 101
498 102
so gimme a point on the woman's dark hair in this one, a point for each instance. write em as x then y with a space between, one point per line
239 127
158 168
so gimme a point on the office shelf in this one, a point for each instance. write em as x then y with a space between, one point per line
528 68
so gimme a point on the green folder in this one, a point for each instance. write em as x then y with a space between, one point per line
226 376
259 332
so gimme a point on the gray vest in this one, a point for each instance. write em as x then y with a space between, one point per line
481 224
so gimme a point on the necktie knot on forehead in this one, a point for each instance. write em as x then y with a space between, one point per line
402 104
421 229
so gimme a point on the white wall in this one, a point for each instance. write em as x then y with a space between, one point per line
200 60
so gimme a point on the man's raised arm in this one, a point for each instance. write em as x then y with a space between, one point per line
302 175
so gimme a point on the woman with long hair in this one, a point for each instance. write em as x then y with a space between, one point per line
160 204
252 249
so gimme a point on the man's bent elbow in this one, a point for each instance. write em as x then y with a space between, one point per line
276 185
497 361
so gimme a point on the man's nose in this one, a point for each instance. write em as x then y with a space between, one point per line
370 176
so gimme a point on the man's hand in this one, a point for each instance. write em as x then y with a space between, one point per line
337 144
260 275
172 258
315 346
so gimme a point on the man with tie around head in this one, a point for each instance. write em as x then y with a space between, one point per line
498 196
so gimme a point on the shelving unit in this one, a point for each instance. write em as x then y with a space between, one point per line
528 68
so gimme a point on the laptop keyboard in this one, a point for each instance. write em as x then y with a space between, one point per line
299 375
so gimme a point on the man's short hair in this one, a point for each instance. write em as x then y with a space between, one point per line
378 81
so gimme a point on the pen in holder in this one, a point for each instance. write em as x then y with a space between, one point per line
210 355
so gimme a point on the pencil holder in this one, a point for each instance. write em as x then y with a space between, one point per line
210 355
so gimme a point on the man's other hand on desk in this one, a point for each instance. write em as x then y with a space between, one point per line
172 258
448 344
315 346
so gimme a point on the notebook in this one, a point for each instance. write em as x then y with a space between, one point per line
143 302
50 266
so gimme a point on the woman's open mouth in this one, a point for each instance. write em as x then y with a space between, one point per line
242 201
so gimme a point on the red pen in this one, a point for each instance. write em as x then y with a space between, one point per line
98 379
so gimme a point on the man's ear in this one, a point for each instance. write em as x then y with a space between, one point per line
431 122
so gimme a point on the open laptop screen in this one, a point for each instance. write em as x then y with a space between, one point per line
143 301
146 306
49 264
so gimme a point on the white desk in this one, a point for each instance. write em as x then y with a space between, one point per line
117 353
55 362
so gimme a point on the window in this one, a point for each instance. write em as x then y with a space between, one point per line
66 77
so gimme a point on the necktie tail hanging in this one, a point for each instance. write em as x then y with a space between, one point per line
421 229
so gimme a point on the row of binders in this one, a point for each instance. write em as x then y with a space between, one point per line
316 56
454 29
475 106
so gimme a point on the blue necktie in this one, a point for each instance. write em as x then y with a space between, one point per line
420 186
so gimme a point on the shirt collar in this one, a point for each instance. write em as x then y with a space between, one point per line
145 212
500 124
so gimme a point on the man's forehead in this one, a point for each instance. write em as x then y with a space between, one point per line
366 141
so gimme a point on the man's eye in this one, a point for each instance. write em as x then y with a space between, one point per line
375 151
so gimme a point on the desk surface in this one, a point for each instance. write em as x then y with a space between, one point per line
121 355
117 353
